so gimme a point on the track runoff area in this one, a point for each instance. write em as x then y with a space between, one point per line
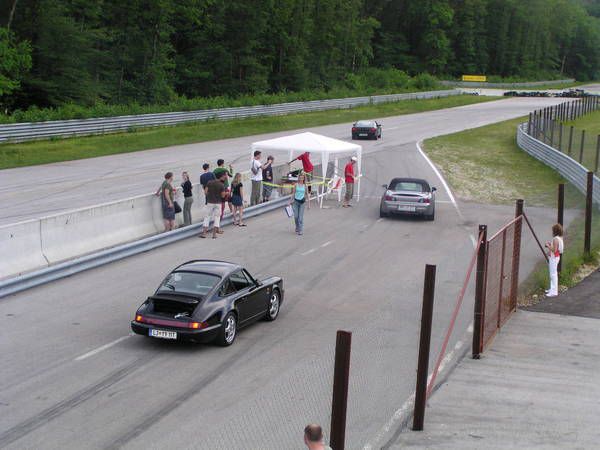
73 376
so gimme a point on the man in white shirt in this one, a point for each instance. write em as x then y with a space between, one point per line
256 176
313 438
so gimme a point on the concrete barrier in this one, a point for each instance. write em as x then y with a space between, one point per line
51 240
20 248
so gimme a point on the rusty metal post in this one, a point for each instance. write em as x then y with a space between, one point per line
570 140
597 154
529 124
587 244
516 254
552 133
479 316
424 345
581 146
339 401
561 213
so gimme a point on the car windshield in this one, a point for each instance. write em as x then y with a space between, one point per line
189 283
365 123
413 186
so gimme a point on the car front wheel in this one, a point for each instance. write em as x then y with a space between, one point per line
274 305
228 330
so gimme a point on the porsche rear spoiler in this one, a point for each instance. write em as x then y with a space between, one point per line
188 300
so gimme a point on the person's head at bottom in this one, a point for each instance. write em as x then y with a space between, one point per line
313 437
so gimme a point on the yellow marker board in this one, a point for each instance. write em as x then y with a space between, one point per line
474 78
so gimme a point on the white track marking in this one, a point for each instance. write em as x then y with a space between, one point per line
401 412
379 220
326 244
102 348
441 178
308 252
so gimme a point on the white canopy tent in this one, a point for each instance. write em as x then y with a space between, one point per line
297 144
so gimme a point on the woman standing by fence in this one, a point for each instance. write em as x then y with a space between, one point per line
237 199
188 199
555 250
298 199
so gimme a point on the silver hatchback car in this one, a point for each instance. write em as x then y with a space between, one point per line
411 196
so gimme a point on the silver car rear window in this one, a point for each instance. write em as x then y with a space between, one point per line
407 186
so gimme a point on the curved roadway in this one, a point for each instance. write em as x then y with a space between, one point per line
37 191
72 376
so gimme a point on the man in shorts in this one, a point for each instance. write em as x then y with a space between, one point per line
215 193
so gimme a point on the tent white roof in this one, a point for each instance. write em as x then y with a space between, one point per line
312 142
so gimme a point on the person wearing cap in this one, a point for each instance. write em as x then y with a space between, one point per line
349 179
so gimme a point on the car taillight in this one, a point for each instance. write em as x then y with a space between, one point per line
197 325
353 128
424 200
388 197
373 130
139 318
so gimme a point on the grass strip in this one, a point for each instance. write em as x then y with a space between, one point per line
486 165
56 150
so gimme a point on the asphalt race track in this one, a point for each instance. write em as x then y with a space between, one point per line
38 191
73 377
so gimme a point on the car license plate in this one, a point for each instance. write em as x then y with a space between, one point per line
406 208
362 134
163 334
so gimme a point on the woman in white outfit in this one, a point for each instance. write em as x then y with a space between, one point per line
555 250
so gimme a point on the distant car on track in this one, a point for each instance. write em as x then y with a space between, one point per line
411 196
368 129
208 301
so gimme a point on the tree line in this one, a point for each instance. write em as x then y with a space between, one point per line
85 52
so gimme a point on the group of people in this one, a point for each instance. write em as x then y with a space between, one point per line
219 192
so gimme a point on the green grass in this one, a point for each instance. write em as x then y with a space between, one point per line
56 150
590 123
486 165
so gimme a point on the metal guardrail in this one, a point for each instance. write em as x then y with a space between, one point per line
570 169
20 132
96 259
476 84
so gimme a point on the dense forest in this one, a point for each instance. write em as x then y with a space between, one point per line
85 52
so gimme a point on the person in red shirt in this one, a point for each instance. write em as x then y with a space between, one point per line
307 167
349 178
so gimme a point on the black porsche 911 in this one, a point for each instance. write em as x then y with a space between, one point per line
367 129
207 301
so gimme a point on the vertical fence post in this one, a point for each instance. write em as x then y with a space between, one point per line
587 244
339 401
478 318
516 255
529 125
424 344
581 146
570 140
597 154
552 133
561 213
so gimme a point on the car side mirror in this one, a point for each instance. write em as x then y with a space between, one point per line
384 186
433 189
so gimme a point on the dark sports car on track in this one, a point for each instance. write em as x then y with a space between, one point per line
208 301
367 129
411 196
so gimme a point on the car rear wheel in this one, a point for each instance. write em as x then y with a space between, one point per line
274 304
383 214
228 330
